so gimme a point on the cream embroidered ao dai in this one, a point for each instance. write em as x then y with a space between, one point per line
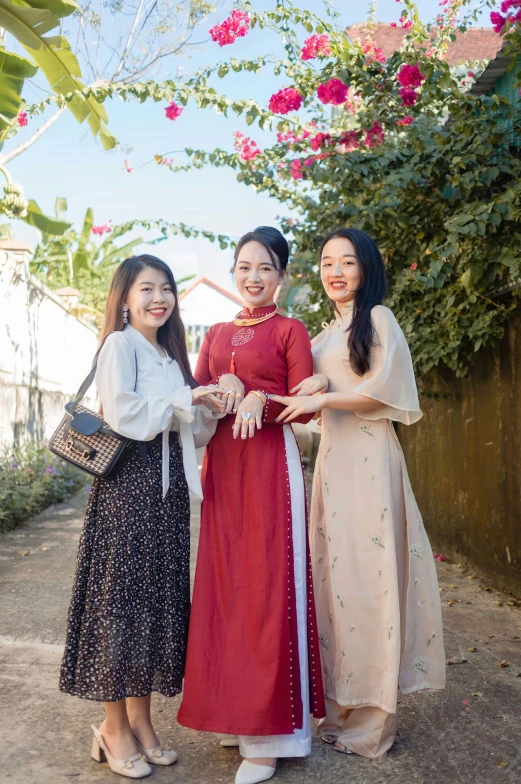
377 597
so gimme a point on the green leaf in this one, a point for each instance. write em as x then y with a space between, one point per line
36 218
88 222
53 55
14 70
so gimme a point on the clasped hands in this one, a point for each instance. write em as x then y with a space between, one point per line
305 398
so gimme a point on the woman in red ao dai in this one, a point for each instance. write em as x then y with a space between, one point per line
253 669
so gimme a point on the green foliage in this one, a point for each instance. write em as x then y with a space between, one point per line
79 259
31 478
14 70
29 22
441 197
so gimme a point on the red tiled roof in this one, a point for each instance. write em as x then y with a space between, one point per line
478 43
214 286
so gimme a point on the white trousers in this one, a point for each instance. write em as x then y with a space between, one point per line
298 744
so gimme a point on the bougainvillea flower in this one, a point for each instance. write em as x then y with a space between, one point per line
22 119
374 135
173 110
410 76
295 169
236 26
372 52
405 120
498 21
333 91
408 96
349 141
315 45
413 267
287 100
319 141
101 230
246 147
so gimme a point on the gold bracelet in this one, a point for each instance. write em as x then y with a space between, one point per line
260 395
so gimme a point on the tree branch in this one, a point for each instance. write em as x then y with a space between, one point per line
25 146
129 41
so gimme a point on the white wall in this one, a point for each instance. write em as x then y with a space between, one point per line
206 306
45 353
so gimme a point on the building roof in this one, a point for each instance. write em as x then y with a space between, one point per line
478 43
494 70
212 285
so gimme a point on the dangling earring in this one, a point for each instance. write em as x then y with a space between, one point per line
125 314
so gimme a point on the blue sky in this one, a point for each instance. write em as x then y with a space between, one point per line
68 162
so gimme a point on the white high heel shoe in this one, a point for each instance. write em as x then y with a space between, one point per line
134 767
250 773
159 755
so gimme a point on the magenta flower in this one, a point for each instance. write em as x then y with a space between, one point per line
498 21
413 267
349 140
236 26
287 100
319 141
246 148
22 119
374 136
405 120
295 169
173 110
408 96
410 76
315 45
334 91
101 230
372 52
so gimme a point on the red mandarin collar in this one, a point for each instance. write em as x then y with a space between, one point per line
256 312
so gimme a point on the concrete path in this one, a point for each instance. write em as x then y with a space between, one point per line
469 734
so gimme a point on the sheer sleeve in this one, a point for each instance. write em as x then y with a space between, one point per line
299 362
391 377
133 416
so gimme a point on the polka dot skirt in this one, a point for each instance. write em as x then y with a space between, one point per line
128 618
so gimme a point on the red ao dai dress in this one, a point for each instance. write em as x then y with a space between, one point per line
253 664
376 590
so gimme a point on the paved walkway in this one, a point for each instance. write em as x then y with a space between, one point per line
469 734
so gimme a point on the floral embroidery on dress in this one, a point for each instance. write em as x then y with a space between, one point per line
383 513
390 631
420 665
416 580
334 561
349 678
341 602
416 551
431 638
323 641
353 627
320 531
243 336
365 427
377 539
420 604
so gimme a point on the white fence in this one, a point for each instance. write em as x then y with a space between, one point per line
45 352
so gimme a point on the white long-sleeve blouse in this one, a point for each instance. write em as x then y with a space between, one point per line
144 394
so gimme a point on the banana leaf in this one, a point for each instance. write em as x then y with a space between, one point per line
14 70
28 22
46 225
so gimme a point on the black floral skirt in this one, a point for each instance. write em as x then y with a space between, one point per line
128 619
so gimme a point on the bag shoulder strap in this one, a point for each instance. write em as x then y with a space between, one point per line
82 391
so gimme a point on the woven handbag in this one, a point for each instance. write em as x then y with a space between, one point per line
84 439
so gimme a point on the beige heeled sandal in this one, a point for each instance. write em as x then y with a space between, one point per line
159 755
135 767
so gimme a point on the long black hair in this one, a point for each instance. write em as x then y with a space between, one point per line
274 242
371 292
171 336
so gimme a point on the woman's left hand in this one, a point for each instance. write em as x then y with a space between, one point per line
252 409
297 406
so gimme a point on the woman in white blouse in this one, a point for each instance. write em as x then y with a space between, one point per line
128 619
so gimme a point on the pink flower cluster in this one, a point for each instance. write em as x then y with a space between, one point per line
173 110
405 120
246 147
408 96
319 141
374 135
295 169
287 100
333 91
315 45
236 26
372 52
512 16
413 267
405 23
349 141
105 228
127 166
410 75
22 119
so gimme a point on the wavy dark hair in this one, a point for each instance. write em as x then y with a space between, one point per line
171 336
274 242
371 292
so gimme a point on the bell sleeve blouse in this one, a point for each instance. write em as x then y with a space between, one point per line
143 394
391 377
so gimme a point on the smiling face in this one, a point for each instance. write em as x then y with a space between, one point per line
256 276
150 300
340 270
